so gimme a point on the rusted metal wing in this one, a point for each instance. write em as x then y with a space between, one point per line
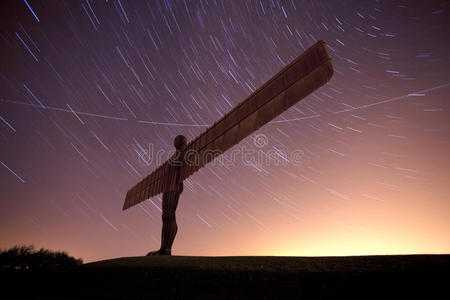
300 78
147 187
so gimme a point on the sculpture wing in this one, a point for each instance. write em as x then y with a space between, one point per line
297 80
150 186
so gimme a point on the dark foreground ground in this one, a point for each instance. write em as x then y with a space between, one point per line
185 277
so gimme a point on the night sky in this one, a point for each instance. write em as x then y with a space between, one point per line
89 88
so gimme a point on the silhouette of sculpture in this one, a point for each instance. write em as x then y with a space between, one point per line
170 202
294 82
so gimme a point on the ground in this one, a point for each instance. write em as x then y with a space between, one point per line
185 277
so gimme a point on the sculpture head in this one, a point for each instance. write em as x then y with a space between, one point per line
179 142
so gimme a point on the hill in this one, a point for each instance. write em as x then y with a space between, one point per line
238 277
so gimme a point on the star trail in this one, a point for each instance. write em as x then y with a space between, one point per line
92 94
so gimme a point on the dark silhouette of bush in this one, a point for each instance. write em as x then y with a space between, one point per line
27 258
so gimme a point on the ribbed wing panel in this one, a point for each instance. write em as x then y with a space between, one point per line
296 81
150 186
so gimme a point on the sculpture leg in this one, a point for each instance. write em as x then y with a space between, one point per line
169 228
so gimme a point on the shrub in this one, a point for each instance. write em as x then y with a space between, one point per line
27 258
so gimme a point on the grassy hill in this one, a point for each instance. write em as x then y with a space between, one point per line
184 277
